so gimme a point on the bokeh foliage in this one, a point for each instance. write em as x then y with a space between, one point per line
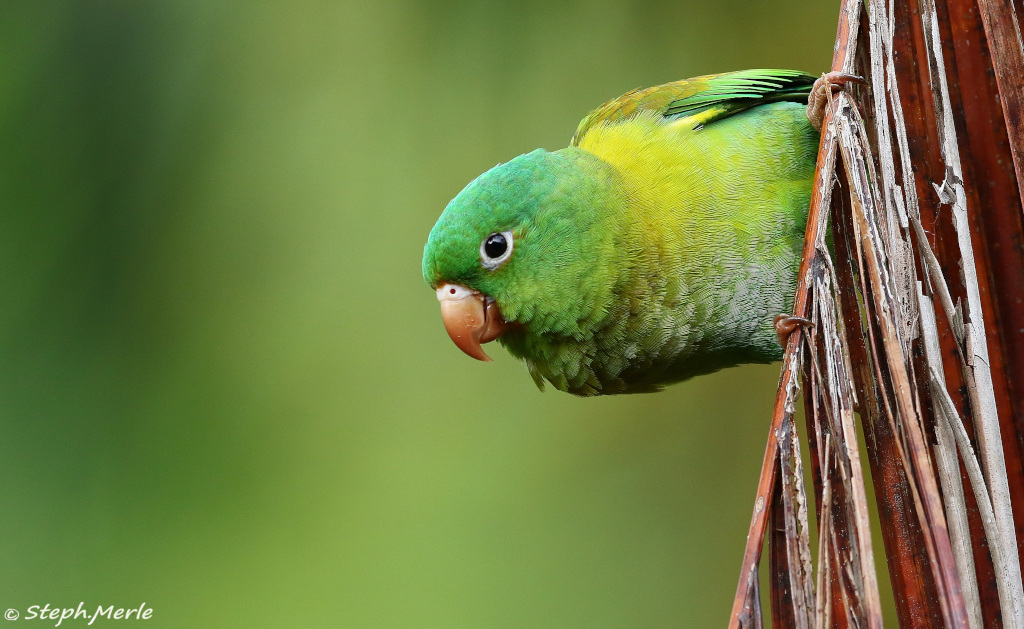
225 389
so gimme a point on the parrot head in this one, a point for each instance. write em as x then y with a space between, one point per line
522 253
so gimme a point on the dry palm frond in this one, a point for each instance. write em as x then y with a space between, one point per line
911 235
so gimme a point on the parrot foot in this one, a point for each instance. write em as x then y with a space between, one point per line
827 86
787 324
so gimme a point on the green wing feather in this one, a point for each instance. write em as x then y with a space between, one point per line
704 99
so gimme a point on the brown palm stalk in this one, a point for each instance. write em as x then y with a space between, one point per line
917 301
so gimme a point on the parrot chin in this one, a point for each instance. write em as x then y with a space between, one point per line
470 318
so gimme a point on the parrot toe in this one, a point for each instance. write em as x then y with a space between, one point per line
786 324
822 92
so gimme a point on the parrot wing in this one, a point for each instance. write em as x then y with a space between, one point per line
704 99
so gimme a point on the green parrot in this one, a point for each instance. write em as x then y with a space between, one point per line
659 245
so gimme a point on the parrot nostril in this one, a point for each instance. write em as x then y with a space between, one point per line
454 292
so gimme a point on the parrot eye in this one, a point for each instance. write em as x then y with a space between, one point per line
496 249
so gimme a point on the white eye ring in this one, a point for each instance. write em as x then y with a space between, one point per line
491 263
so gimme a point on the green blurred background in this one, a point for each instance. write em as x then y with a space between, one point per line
226 391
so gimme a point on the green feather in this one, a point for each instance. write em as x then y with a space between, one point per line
716 96
732 93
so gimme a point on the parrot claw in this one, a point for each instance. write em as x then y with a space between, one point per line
787 324
822 92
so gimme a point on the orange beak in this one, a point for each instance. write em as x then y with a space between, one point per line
470 318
